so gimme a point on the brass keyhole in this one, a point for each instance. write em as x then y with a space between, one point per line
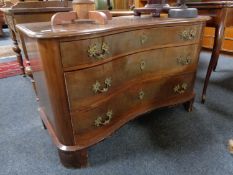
141 95
144 38
142 65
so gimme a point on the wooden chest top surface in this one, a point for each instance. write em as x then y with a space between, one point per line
124 23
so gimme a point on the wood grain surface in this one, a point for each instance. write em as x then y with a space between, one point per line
95 78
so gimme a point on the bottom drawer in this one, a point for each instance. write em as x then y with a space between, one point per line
136 97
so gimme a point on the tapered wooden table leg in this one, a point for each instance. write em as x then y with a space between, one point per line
219 32
215 66
28 71
17 50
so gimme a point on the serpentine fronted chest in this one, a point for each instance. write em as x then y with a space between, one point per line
92 79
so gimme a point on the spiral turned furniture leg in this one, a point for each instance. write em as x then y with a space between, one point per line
28 71
17 50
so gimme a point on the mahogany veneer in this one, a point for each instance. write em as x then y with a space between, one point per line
95 78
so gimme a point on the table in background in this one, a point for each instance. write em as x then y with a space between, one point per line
28 12
222 17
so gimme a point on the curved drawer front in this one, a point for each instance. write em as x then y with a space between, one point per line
134 98
100 81
83 52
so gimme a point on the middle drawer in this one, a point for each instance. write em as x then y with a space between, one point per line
84 85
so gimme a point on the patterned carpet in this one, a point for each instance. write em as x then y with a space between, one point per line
167 141
8 63
8 69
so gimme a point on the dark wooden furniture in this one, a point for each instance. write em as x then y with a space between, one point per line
27 12
152 6
222 17
2 21
95 78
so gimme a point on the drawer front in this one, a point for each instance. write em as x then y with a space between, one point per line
83 52
84 86
131 99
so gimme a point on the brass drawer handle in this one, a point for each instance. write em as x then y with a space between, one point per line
188 34
98 51
180 89
142 65
103 120
141 95
143 38
97 86
184 60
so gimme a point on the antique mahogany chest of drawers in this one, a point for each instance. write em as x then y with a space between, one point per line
92 79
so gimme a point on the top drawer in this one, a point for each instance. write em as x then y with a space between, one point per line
83 52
